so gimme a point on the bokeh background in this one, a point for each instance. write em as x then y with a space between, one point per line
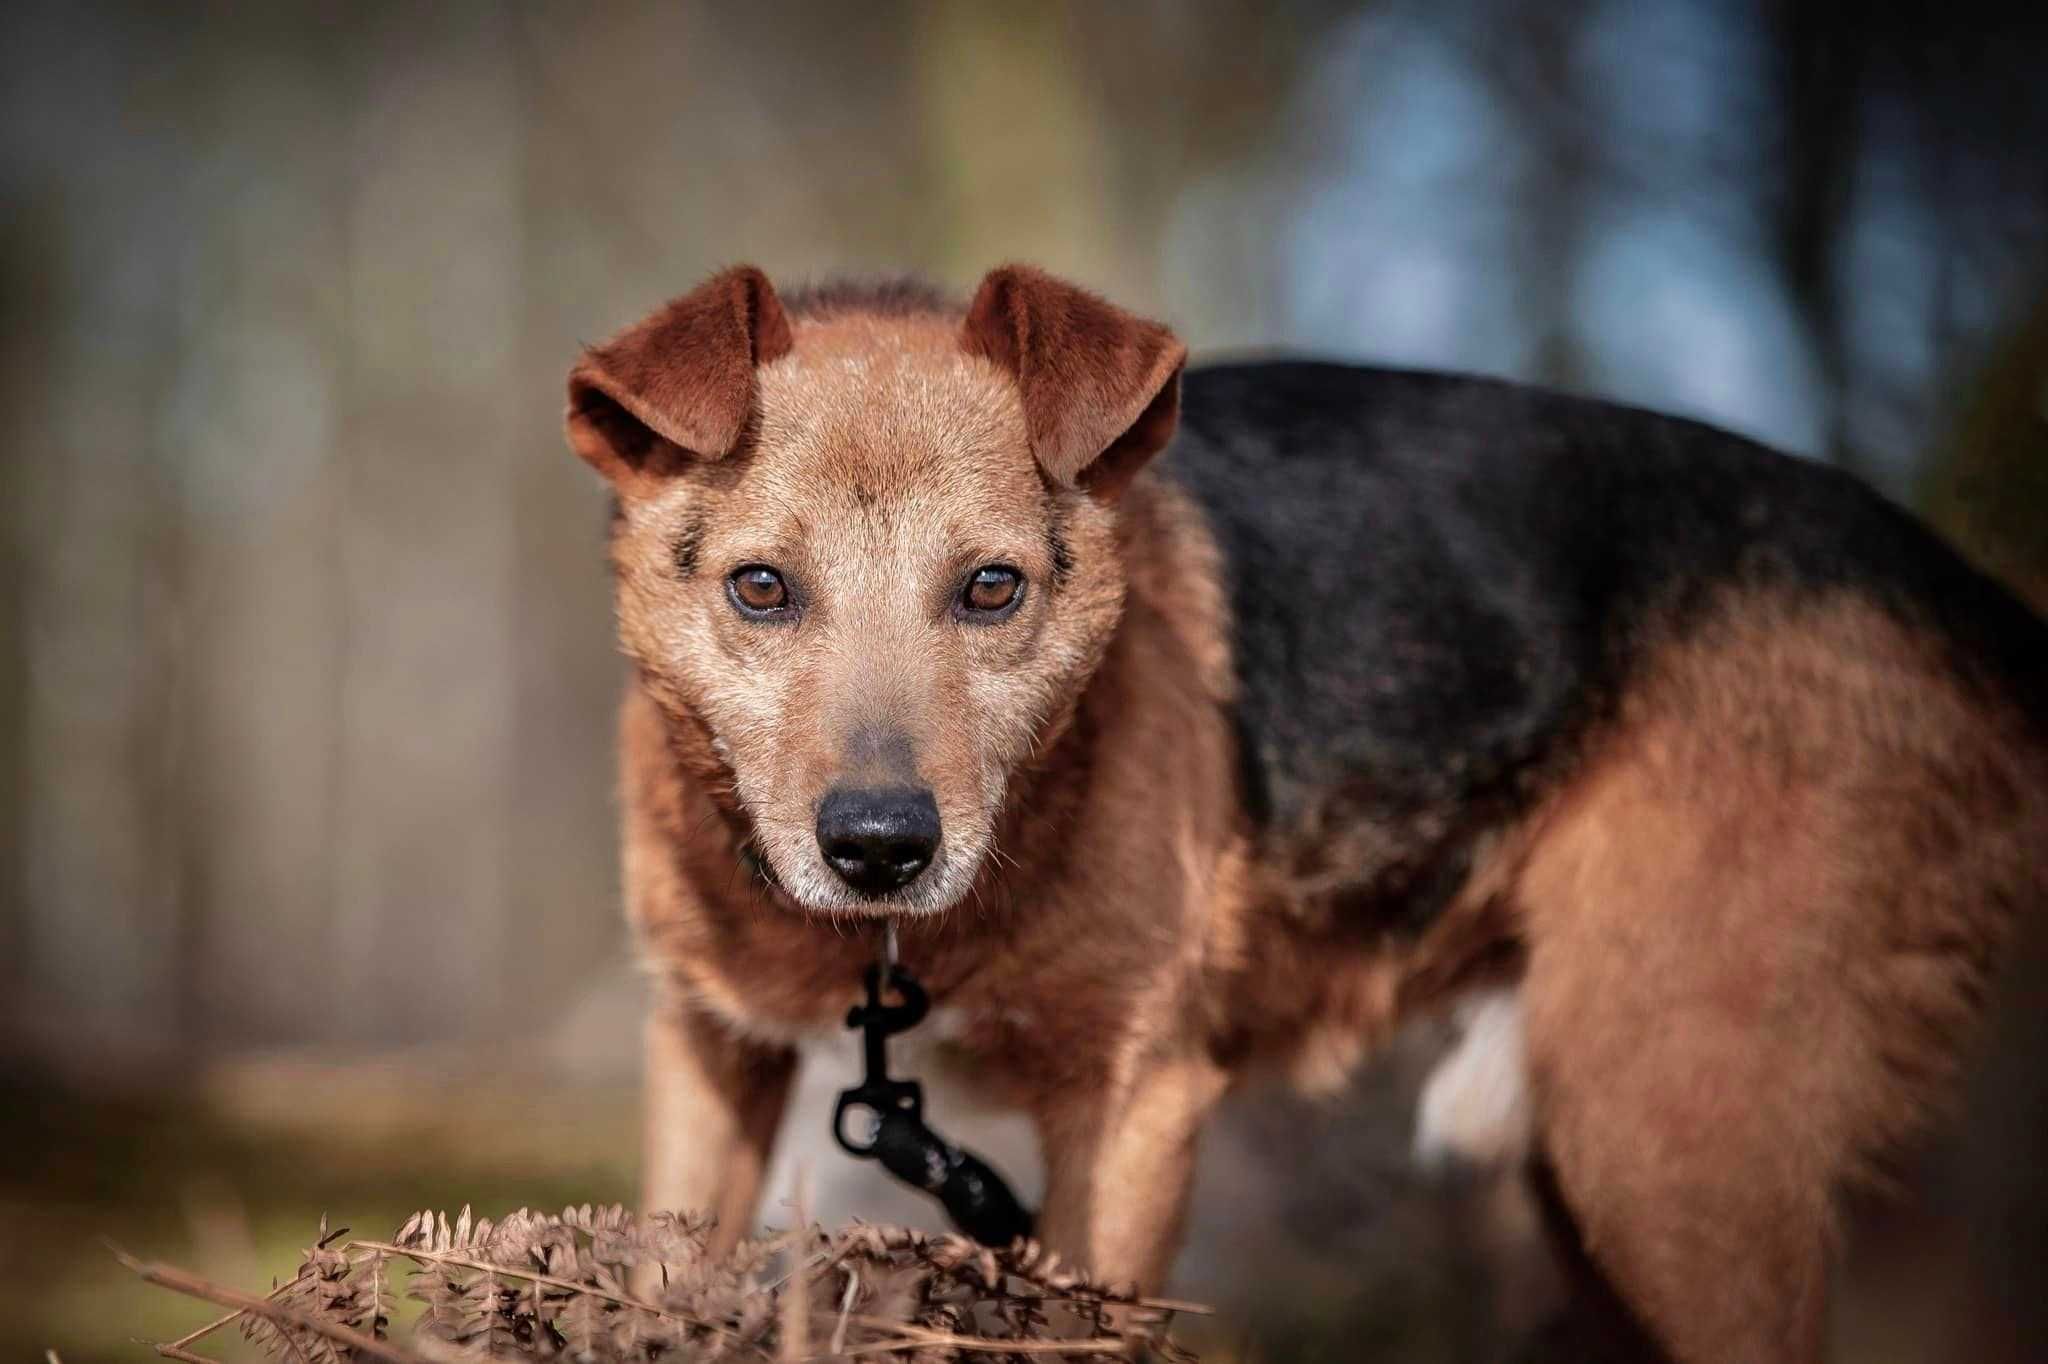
306 667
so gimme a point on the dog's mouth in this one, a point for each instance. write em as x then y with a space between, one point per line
812 887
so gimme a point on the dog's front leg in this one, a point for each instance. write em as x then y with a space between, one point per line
713 1102
1119 1159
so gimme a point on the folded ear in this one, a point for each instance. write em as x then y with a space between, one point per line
679 385
1101 387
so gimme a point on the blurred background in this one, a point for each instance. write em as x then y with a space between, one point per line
306 665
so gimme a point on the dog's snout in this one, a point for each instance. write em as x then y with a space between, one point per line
878 840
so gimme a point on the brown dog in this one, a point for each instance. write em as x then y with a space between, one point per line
1721 779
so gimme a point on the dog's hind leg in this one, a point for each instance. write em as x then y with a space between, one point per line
1681 1083
1757 927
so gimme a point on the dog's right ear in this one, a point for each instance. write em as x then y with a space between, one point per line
679 385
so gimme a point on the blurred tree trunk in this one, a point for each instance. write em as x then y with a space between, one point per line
1015 183
1987 486
1820 81
30 300
1562 176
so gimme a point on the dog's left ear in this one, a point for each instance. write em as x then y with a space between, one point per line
1101 387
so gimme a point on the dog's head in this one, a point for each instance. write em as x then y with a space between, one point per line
866 552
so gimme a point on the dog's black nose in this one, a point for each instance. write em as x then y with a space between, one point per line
878 840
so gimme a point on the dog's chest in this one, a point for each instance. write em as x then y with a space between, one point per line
947 1034
948 1048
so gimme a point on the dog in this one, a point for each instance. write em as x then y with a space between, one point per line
1718 783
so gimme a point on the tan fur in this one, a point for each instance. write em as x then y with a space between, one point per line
1748 925
1758 927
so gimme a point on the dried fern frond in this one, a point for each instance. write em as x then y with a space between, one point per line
594 1284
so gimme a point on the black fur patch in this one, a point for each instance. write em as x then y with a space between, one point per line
1056 546
687 542
1437 582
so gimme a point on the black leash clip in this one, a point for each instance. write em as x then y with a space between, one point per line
974 1195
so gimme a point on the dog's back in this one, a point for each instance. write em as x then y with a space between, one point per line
1440 583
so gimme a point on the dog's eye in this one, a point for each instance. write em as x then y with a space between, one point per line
991 591
758 591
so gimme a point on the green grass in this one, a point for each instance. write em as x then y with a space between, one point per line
231 1179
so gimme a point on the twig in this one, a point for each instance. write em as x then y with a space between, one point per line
796 1298
910 1336
173 1350
180 1281
819 1260
845 1307
226 1319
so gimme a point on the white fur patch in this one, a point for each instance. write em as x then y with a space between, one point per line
1475 1105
